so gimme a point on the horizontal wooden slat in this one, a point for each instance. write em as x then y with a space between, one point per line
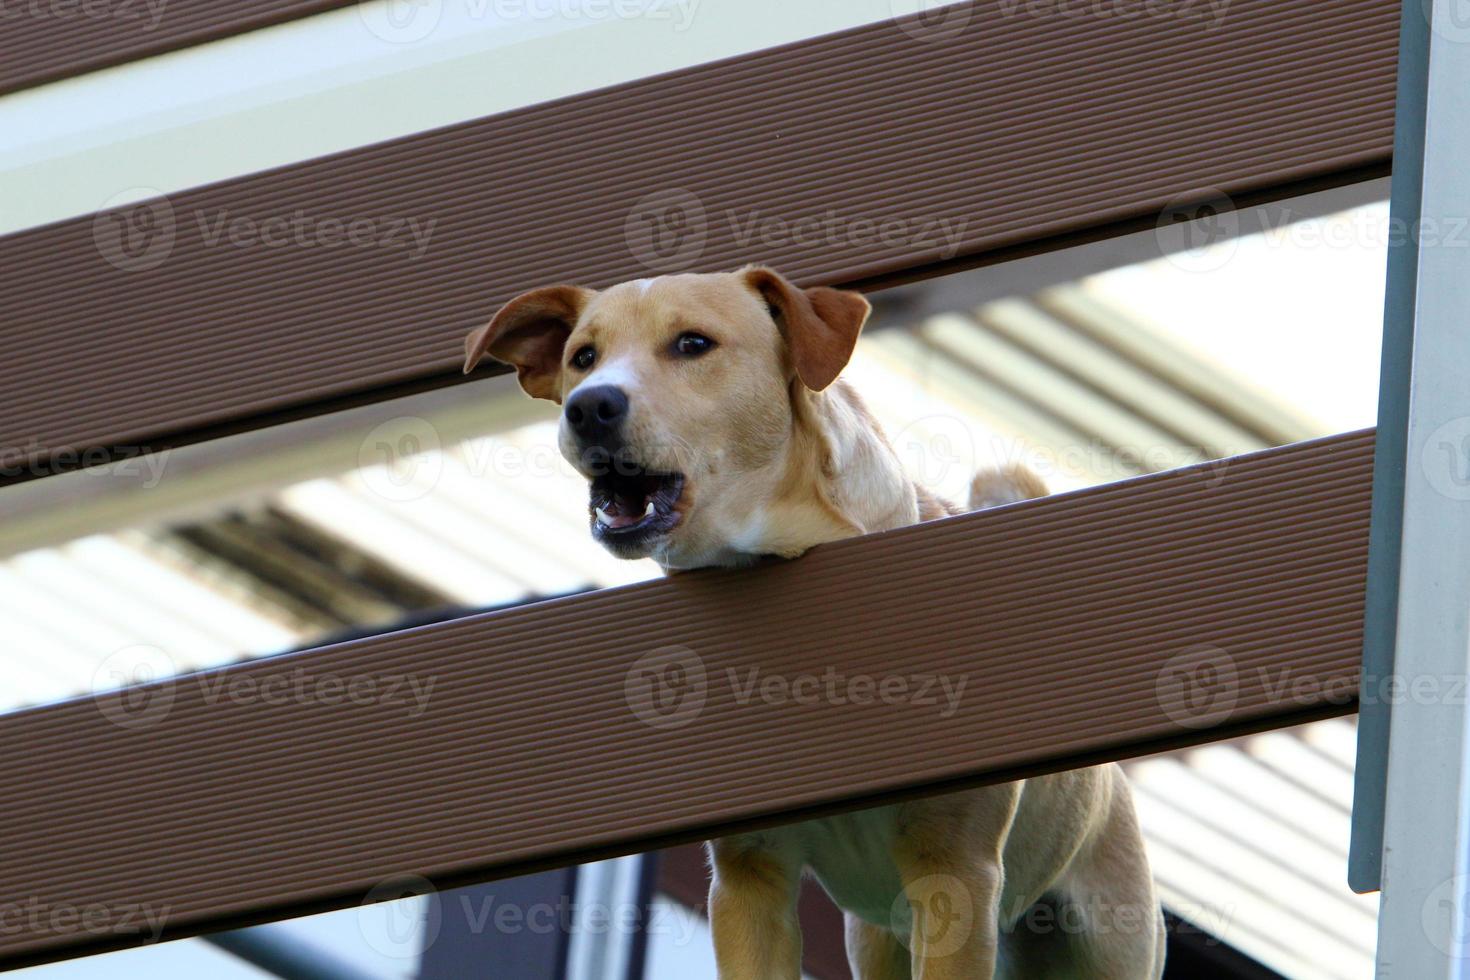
882 153
1139 616
46 40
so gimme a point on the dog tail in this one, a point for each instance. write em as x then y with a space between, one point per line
1005 485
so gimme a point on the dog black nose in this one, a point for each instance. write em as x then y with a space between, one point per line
596 414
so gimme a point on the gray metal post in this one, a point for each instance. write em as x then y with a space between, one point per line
1380 623
1424 926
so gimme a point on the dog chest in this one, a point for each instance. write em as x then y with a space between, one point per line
851 855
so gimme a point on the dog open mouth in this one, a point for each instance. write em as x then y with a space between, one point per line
629 507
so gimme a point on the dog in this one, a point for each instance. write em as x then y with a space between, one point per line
707 414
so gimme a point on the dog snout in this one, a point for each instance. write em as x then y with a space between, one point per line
596 415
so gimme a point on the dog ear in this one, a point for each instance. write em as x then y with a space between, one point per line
529 334
821 324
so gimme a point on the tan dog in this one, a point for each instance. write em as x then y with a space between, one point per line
704 412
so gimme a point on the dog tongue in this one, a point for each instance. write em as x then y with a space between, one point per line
624 511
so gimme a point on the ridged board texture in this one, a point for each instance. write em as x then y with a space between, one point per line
879 152
1171 609
46 40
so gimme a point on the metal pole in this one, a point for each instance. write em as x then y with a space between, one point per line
1381 606
1424 925
277 951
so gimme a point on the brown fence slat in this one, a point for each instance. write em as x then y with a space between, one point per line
1131 618
46 40
886 152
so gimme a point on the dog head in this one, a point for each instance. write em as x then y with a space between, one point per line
679 398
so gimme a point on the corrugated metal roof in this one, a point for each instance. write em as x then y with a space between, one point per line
1249 841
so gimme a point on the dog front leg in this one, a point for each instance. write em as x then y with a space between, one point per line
955 910
752 913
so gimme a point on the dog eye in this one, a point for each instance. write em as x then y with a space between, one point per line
582 360
693 344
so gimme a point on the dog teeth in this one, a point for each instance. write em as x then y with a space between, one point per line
602 517
648 511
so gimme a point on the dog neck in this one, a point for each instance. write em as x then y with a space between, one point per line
837 478
841 470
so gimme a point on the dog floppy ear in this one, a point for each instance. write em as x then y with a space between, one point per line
820 324
529 334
